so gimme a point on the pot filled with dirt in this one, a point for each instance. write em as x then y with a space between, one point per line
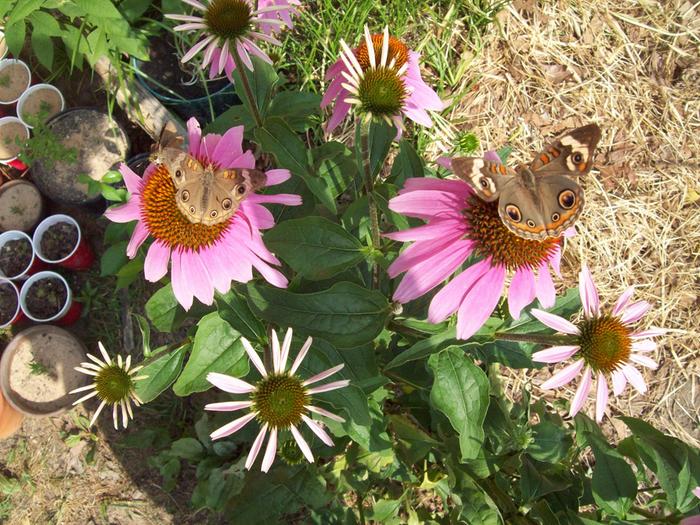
21 206
17 255
37 370
46 297
39 103
13 137
183 87
15 78
10 312
75 146
58 240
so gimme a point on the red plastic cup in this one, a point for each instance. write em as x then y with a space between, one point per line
67 315
19 314
81 256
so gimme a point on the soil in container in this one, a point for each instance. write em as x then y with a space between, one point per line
8 303
15 256
13 136
20 206
59 241
46 298
98 144
41 103
42 372
14 79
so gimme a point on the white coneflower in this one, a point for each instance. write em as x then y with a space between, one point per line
114 384
280 400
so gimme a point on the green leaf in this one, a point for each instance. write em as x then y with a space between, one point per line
384 509
145 330
335 165
233 116
187 448
461 392
113 259
346 314
42 45
551 442
262 81
296 108
413 442
235 311
15 33
163 310
614 485
315 247
278 138
217 348
161 373
381 135
424 348
42 22
676 465
407 164
22 10
538 479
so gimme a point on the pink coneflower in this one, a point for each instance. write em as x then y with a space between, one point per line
461 225
381 78
280 400
606 346
204 258
233 26
114 384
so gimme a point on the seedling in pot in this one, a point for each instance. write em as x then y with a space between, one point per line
59 241
37 368
15 257
8 303
46 298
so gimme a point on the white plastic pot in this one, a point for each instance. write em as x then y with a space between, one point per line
14 235
7 62
44 226
37 277
15 317
32 92
4 121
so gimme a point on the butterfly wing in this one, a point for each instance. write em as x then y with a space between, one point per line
545 210
570 154
487 178
228 189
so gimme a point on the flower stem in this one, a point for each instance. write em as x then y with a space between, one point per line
542 339
247 89
369 188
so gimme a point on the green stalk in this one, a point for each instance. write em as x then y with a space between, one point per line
246 88
542 339
369 188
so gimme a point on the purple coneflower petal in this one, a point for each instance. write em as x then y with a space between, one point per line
479 302
417 252
233 426
229 384
301 355
651 332
644 361
582 391
601 401
316 429
228 406
555 354
644 345
588 292
303 445
619 382
130 211
545 286
277 176
635 378
286 344
270 451
134 183
255 449
521 291
155 267
623 300
555 322
564 376
635 312
329 386
253 356
138 237
325 413
323 375
448 300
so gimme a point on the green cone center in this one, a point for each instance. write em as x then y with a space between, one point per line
280 399
605 343
382 92
228 19
113 384
290 452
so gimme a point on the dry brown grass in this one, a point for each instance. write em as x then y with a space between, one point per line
633 67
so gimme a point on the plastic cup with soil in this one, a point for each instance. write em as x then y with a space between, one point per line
21 206
182 86
78 143
39 103
58 240
37 370
15 78
46 297
17 255
3 46
13 137
10 312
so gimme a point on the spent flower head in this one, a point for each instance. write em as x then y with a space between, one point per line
604 345
114 384
280 400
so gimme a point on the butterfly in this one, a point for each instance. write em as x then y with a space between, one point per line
540 200
205 194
